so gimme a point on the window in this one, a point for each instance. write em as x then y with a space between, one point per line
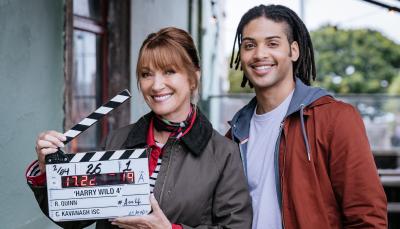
88 64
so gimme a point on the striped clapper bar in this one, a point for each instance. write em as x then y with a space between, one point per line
101 184
97 115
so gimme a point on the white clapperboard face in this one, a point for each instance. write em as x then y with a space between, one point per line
97 185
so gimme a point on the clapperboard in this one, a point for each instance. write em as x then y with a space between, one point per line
97 185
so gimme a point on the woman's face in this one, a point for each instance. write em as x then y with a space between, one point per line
167 92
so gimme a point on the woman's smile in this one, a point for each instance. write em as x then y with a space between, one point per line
161 97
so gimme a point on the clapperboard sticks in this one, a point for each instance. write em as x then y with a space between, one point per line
108 155
60 156
97 115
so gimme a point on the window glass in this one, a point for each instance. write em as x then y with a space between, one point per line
86 86
88 8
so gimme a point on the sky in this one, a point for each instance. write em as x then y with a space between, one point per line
342 13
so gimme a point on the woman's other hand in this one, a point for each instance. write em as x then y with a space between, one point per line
48 142
155 220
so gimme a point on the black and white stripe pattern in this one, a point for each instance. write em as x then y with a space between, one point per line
101 156
109 155
96 115
153 176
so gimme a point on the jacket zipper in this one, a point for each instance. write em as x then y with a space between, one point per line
283 172
166 175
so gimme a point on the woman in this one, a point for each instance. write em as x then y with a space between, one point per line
200 183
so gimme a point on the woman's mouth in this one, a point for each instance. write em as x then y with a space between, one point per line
161 98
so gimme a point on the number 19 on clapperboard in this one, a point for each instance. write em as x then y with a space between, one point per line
97 185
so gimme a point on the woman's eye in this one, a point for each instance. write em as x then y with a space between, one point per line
169 72
145 74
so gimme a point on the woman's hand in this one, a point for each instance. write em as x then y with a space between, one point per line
47 143
155 220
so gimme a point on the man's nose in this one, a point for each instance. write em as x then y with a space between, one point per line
261 52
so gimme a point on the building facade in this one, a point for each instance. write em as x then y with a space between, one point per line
59 60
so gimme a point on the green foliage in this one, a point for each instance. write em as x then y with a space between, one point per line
355 60
235 79
394 88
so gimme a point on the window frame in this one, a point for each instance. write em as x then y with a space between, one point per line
78 22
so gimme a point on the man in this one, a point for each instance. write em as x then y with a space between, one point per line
306 155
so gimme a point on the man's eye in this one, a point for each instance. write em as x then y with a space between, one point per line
273 44
249 45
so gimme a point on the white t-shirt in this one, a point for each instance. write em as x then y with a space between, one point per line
264 131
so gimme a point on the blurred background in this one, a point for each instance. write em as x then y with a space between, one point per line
61 59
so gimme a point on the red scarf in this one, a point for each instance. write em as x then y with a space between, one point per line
156 151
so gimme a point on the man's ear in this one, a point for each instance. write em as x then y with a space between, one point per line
294 50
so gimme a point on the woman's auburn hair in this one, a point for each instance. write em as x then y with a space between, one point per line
169 48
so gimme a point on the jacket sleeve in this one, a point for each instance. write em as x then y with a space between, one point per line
353 173
231 205
40 193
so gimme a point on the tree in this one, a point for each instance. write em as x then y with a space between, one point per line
355 60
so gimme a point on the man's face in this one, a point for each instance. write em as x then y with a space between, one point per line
266 55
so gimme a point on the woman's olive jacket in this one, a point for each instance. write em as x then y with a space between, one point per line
201 183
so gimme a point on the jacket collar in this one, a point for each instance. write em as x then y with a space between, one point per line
195 140
303 96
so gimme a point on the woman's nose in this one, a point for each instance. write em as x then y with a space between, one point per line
158 82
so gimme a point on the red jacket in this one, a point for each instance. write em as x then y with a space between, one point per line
338 187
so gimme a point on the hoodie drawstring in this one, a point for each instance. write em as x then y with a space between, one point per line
303 130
